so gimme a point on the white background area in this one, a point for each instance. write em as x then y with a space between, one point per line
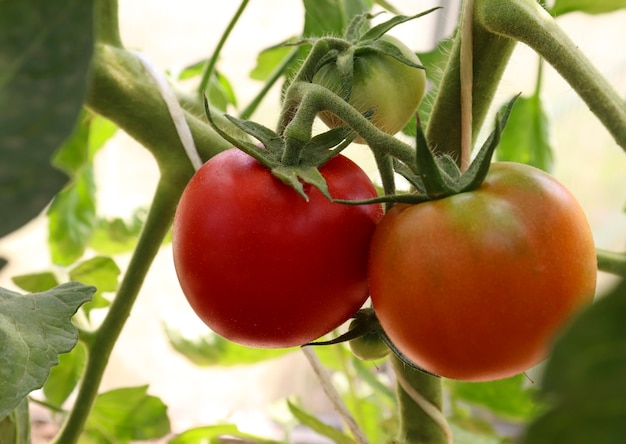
177 34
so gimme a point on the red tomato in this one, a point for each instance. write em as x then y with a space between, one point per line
261 266
475 286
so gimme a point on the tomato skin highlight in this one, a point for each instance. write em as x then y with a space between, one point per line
475 286
381 83
261 266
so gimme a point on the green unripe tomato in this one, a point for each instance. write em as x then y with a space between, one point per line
381 83
368 347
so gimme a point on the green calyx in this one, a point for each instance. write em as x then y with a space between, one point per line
439 177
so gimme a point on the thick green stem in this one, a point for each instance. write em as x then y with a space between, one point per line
528 22
314 98
106 23
119 86
156 227
611 262
420 403
490 54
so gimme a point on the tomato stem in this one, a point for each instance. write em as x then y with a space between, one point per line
528 22
156 227
106 23
611 262
420 402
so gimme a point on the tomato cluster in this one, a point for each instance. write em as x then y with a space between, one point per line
471 286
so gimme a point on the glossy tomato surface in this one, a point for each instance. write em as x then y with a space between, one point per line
475 286
263 267
381 83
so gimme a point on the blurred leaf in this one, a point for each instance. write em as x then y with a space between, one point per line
101 272
526 136
3 262
15 427
331 17
323 429
64 377
584 378
45 49
268 60
509 398
213 350
34 330
71 219
36 282
72 215
587 6
124 415
116 236
210 435
464 436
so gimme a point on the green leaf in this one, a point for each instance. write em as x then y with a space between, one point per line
15 427
115 235
34 330
71 219
64 377
464 436
584 378
211 350
36 282
509 398
331 17
310 421
587 6
45 51
526 137
124 415
268 60
210 435
101 272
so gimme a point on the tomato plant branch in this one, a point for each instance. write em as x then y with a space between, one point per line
106 23
420 404
212 61
467 80
120 85
490 54
314 98
527 22
611 262
156 227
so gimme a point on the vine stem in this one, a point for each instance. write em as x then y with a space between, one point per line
527 22
420 402
156 227
210 65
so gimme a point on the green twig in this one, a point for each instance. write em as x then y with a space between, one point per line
611 262
210 65
106 23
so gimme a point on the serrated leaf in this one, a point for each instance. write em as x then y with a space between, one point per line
210 435
561 7
584 378
15 427
36 282
510 398
124 415
213 350
64 377
34 330
307 419
45 51
526 137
